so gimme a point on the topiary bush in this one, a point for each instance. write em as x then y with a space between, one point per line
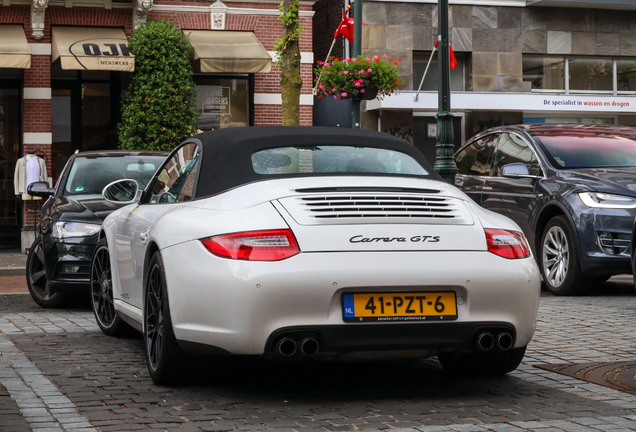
158 108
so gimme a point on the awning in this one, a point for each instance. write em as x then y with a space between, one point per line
14 48
229 51
92 48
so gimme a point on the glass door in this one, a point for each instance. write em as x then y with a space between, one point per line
10 127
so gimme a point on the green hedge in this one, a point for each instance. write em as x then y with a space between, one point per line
158 108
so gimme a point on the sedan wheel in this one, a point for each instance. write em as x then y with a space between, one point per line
560 263
38 282
102 292
164 357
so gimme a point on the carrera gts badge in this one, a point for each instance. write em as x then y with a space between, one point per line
414 239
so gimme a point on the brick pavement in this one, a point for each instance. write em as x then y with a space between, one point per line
69 376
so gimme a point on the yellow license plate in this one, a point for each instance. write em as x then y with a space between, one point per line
413 306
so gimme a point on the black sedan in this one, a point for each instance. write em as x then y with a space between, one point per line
59 259
571 189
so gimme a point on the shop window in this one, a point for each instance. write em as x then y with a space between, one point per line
431 82
626 75
579 74
223 102
543 73
591 74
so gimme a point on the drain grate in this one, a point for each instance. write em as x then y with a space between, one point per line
616 375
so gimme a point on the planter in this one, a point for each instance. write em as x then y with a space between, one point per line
369 94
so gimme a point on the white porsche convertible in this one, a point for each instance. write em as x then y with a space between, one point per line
291 242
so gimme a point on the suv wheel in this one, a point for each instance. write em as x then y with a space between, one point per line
559 260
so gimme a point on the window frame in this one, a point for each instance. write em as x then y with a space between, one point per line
147 193
567 78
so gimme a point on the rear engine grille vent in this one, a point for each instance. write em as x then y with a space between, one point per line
384 206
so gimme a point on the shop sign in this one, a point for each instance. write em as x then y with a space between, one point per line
105 52
527 102
213 103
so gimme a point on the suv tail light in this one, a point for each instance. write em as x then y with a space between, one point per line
266 245
507 244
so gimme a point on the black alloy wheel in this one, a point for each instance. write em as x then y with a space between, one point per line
37 281
102 292
559 260
164 357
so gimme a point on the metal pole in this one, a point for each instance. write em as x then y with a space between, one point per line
328 54
445 160
357 50
417 95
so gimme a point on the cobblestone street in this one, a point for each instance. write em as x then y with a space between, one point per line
59 372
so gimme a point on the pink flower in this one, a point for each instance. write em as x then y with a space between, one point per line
335 97
322 86
370 70
368 59
343 94
326 64
361 81
357 84
361 72
361 90
346 72
329 73
333 90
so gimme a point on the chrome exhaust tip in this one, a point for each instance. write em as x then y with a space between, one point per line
309 346
485 341
286 347
504 341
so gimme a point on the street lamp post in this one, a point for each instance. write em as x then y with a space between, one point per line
445 161
357 50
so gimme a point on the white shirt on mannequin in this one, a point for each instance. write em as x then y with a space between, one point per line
32 170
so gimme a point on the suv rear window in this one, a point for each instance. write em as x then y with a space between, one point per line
334 159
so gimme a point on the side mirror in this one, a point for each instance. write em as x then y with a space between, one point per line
516 170
40 189
124 191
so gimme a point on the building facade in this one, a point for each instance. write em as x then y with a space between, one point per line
519 61
64 65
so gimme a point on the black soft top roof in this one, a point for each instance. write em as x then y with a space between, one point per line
227 153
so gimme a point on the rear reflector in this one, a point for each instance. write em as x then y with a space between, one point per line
507 244
267 245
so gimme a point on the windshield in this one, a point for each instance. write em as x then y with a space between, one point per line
89 175
590 150
334 159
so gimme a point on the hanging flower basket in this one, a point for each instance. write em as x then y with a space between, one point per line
361 78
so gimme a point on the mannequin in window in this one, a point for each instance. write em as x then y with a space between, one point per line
28 169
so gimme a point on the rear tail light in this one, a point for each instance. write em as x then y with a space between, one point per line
266 245
507 244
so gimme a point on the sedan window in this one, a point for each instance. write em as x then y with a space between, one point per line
590 150
89 175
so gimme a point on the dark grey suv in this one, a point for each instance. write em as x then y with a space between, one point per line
571 189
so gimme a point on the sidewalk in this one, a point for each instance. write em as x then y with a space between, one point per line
12 272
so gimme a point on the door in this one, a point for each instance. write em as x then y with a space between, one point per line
512 197
10 121
173 185
425 136
474 163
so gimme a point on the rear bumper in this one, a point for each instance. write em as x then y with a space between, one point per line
240 306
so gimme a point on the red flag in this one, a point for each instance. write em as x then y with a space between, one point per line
345 28
453 60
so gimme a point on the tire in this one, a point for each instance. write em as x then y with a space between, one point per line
102 292
559 260
164 357
486 363
37 281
